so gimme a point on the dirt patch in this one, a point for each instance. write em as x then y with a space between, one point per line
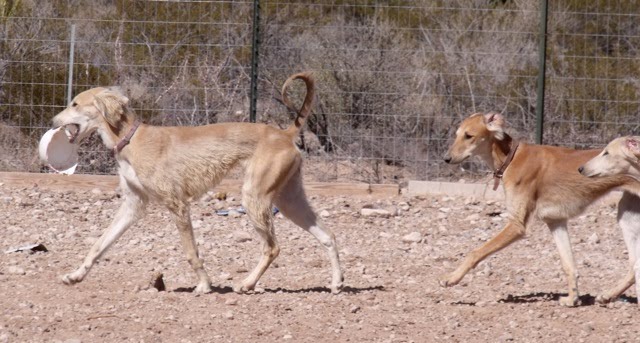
391 262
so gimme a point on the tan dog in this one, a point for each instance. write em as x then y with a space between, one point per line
174 165
622 157
540 181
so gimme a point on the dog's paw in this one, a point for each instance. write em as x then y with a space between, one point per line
241 288
69 279
569 301
203 288
603 299
337 284
448 280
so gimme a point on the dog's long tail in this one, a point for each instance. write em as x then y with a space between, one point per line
305 110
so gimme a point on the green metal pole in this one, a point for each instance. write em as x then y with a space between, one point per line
542 56
255 44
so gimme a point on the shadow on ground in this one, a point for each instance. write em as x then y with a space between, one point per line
585 300
227 289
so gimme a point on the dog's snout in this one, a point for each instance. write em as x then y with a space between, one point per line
581 169
447 159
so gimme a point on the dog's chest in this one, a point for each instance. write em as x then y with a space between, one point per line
128 175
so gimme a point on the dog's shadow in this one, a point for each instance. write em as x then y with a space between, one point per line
585 300
227 289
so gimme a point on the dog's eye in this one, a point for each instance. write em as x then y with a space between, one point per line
74 104
605 153
467 136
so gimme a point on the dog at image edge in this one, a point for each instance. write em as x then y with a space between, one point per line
622 157
540 181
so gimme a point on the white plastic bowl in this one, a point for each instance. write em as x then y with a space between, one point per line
57 153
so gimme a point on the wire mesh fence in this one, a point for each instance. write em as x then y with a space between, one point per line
394 77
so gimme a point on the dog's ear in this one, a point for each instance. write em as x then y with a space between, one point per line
633 144
495 123
112 104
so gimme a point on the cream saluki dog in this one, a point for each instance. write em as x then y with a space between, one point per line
538 180
622 157
174 165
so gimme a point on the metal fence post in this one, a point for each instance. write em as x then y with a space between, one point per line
254 60
71 49
542 55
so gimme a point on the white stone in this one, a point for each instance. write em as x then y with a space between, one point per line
594 239
414 237
242 236
15 270
234 214
372 212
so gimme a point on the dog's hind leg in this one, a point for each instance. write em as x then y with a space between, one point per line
258 207
129 212
629 222
293 203
561 237
182 216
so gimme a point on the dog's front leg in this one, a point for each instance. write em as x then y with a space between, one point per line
512 232
561 237
629 222
183 222
129 212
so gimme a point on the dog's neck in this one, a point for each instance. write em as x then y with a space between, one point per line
634 170
111 138
499 151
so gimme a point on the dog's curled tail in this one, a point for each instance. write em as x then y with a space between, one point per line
305 110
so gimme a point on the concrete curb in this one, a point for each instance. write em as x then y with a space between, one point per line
478 190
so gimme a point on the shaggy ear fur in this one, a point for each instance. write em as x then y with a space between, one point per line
633 144
112 104
495 123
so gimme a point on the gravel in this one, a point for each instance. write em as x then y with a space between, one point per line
391 262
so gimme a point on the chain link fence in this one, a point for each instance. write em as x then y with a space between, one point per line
394 77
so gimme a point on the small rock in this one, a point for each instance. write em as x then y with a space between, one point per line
241 236
287 337
228 315
594 239
220 195
372 212
325 214
404 206
472 217
385 235
231 302
157 282
414 237
197 224
15 270
354 309
588 327
234 214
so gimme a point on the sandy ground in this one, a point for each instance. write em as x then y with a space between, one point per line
391 293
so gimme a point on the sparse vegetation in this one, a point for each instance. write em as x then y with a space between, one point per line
395 76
